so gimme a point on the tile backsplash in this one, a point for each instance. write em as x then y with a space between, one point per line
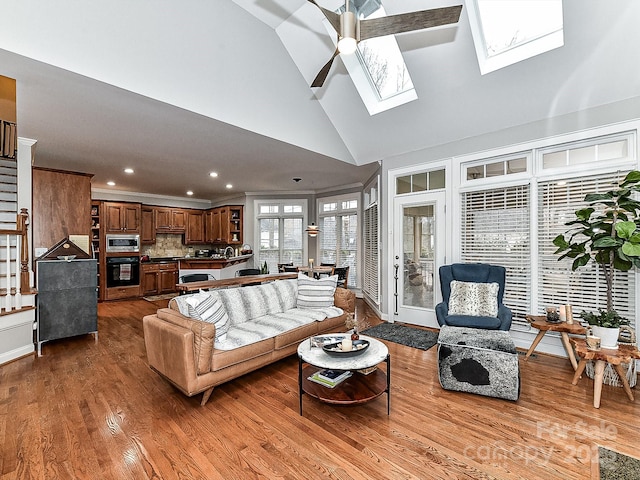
170 245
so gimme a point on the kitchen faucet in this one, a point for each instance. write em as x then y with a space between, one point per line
227 254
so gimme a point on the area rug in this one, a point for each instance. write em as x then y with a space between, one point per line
155 298
412 337
617 466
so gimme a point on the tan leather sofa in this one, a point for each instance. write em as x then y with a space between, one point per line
182 349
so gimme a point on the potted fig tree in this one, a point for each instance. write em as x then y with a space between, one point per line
606 232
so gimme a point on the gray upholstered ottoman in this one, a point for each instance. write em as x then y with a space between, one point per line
478 361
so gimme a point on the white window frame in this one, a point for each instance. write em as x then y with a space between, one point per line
337 213
280 215
510 56
536 176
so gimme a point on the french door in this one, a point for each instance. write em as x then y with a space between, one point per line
419 250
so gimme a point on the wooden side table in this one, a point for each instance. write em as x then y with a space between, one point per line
624 354
540 322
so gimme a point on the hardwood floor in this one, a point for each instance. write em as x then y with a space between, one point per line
94 410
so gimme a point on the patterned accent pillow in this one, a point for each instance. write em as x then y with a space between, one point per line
474 299
208 308
314 293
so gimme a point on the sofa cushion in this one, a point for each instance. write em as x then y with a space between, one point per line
246 303
206 307
267 326
227 358
474 299
316 293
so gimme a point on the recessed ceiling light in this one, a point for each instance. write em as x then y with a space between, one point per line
229 185
128 170
111 183
189 192
213 174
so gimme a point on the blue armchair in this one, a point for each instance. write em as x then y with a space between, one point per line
477 273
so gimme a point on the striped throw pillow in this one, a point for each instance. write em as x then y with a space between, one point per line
314 293
208 308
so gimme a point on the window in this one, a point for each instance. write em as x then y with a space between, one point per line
495 230
370 235
338 222
377 69
496 167
584 289
280 229
500 225
584 153
509 31
420 182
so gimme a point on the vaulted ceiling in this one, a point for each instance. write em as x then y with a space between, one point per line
178 89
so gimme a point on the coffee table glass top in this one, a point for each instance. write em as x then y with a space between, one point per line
375 354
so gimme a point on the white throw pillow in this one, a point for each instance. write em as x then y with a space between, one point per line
314 293
208 308
474 299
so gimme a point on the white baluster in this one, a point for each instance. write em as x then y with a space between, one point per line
7 298
18 296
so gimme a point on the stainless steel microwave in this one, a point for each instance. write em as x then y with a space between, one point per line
127 243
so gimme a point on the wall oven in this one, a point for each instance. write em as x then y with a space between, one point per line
122 243
123 271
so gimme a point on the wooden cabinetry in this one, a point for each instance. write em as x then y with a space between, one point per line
121 217
159 278
148 225
194 233
234 222
170 220
212 233
224 225
96 241
61 206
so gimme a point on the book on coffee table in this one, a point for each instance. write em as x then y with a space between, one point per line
330 378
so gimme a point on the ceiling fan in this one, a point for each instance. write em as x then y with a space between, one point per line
351 29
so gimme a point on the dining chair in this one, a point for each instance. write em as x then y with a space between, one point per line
282 265
343 276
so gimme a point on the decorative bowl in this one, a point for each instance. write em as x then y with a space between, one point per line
335 350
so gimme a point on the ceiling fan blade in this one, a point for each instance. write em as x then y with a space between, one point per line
334 18
407 22
324 71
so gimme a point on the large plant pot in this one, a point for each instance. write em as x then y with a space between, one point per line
608 336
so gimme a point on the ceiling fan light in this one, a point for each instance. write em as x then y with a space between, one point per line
347 45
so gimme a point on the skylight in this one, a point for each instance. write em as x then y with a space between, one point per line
378 70
509 31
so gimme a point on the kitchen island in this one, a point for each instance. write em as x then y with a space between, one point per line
219 267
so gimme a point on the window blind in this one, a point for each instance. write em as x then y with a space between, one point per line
371 259
495 230
584 289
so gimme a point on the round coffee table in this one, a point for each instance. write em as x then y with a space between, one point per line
358 388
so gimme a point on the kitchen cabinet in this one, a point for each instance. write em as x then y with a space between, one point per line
148 225
234 223
170 220
224 225
121 217
159 278
96 239
212 226
194 233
